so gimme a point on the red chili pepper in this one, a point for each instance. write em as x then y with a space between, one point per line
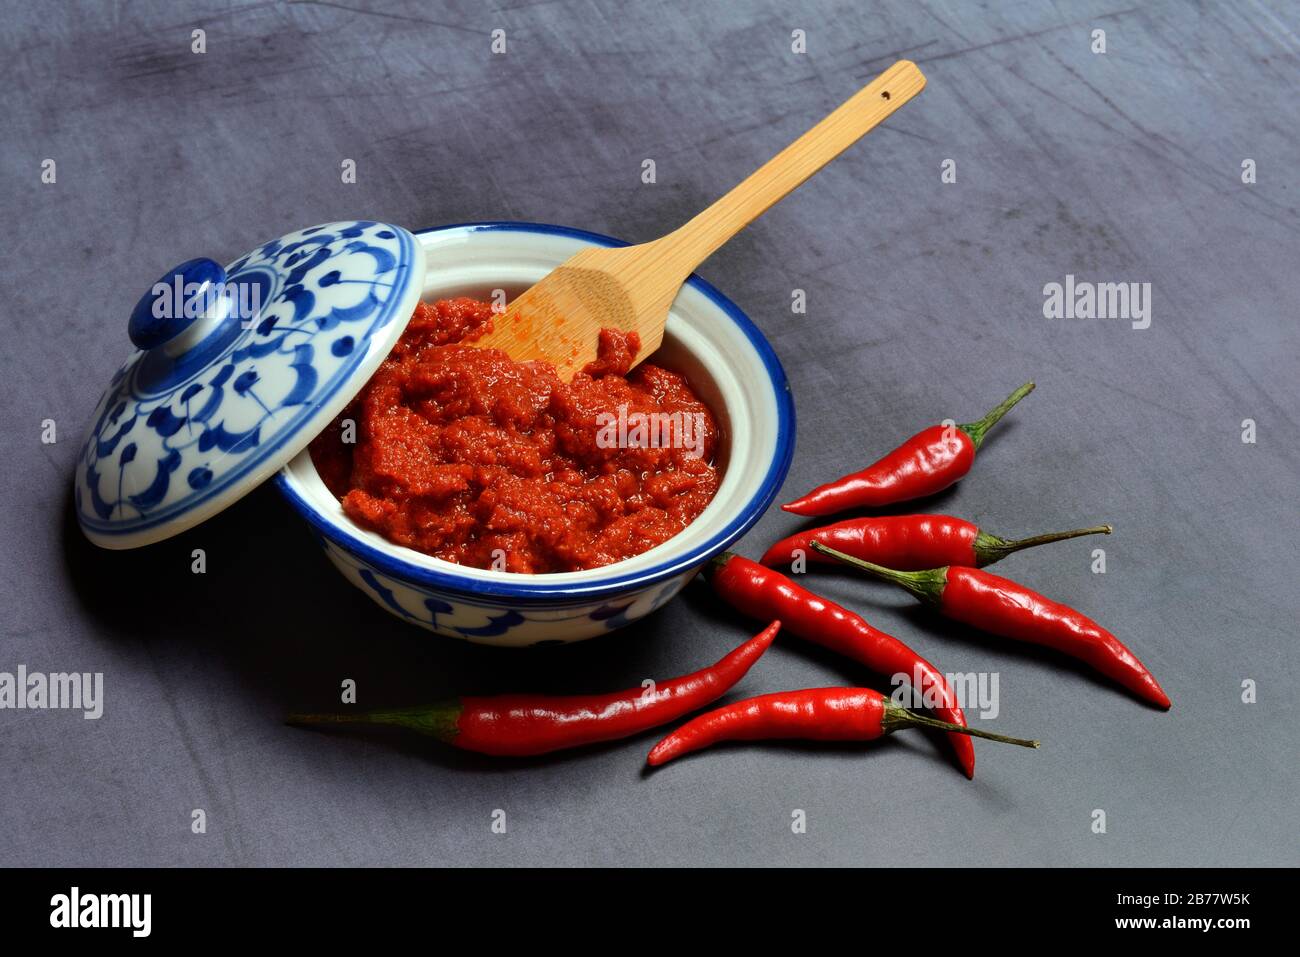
525 724
763 593
926 463
815 714
912 542
1003 607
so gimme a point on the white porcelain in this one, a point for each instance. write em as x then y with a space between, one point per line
730 366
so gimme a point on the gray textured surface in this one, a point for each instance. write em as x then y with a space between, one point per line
924 301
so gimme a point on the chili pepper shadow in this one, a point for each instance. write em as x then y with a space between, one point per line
856 749
985 786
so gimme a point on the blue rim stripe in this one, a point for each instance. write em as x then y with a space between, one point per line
541 590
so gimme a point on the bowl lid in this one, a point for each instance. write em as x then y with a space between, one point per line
236 370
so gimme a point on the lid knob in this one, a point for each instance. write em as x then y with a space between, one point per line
182 295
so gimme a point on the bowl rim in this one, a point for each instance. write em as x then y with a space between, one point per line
745 519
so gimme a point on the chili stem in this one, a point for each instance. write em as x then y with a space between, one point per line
901 717
991 548
977 430
438 720
926 585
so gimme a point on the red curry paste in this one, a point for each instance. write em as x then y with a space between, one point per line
467 455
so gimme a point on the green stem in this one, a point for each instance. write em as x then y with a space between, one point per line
926 586
977 430
991 548
437 720
716 563
897 717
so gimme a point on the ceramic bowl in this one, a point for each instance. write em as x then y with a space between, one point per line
730 366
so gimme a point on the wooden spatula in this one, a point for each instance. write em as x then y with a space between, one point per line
559 319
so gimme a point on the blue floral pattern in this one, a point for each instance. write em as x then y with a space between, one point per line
180 437
485 621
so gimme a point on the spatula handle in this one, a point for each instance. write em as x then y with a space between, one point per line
688 246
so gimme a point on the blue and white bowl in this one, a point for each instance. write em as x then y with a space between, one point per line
730 366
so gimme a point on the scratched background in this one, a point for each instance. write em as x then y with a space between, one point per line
924 301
